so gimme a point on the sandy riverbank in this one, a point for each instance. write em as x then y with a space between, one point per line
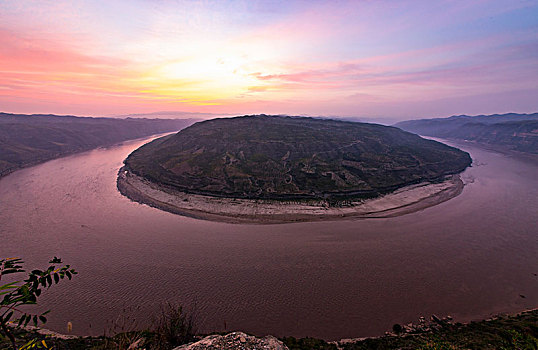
402 201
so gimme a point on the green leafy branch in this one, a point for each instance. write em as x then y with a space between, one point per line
16 294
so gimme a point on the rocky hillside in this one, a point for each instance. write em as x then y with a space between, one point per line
278 157
518 132
30 139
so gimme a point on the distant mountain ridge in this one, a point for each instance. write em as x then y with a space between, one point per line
174 115
511 131
31 139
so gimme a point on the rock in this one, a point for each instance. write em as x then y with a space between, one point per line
235 341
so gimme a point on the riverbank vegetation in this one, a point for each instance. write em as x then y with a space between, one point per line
504 332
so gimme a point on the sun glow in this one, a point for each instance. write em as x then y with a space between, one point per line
202 79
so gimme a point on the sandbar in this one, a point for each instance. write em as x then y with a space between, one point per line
405 200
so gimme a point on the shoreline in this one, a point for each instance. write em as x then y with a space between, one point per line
403 201
491 147
408 330
66 154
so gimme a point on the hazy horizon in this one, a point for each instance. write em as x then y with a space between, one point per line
181 115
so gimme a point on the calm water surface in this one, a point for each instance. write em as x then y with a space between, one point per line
470 257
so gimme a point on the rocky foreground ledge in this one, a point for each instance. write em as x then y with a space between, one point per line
235 341
233 210
519 331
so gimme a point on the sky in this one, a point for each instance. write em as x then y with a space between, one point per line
377 59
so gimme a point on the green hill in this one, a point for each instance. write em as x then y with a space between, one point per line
30 139
277 157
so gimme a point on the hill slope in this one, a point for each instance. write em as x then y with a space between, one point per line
30 139
518 132
291 157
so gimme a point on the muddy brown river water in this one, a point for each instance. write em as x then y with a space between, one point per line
470 257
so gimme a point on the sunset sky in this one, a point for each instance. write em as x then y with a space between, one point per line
402 59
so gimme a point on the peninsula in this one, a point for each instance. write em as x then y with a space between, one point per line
268 169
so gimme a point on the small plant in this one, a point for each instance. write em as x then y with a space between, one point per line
519 340
174 327
16 294
122 332
437 345
35 344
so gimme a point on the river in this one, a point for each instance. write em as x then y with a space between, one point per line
471 257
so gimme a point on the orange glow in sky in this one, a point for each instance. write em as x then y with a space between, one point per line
360 58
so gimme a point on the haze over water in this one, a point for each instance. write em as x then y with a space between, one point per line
470 257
